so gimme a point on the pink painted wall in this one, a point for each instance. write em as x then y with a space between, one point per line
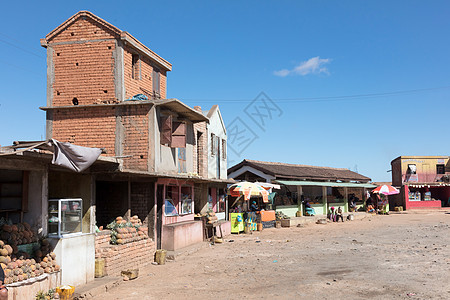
182 234
417 204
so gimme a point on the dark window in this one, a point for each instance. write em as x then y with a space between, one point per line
135 65
213 144
412 169
440 169
156 83
224 149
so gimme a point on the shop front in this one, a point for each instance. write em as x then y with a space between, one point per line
249 207
176 225
46 219
430 195
322 195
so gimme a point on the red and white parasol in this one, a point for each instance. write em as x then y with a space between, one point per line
386 189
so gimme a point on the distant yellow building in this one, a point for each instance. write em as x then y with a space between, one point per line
424 181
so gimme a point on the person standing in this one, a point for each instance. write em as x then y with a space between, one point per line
339 214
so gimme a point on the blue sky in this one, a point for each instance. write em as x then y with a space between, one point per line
228 52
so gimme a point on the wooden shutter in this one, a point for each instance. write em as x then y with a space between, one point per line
166 130
178 135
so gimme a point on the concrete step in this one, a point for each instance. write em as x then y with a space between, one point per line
96 287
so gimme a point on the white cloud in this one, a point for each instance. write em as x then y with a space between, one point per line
314 65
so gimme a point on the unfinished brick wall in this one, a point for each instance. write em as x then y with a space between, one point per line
90 127
122 257
142 84
201 143
142 200
84 72
82 29
163 84
83 63
85 54
135 142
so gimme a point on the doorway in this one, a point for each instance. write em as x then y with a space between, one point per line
159 213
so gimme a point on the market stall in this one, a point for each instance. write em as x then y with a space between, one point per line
249 207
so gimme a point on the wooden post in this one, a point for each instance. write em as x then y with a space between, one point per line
128 213
325 200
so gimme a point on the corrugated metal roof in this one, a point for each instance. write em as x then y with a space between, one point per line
327 183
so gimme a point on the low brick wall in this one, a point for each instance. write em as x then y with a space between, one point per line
121 257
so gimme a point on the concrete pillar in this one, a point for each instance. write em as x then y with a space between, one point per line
300 204
44 203
325 201
364 196
346 199
93 206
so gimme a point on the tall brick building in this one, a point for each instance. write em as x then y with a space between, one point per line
94 72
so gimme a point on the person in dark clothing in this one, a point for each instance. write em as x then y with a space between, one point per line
3 289
253 206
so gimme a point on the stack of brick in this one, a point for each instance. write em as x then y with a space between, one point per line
122 257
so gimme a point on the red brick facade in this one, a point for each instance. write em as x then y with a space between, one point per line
201 138
135 142
83 62
90 127
143 84
91 62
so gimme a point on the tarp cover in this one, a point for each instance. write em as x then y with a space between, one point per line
76 158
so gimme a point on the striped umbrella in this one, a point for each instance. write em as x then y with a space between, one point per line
386 189
248 189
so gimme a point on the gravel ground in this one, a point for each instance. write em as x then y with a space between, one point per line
400 256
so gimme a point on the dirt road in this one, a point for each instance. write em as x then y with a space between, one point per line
402 256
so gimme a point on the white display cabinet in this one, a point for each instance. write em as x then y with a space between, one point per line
64 217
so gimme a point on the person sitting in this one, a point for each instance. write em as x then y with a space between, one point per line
352 205
332 214
308 209
254 207
339 214
369 205
370 208
3 289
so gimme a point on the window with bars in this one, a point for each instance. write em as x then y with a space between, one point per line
224 149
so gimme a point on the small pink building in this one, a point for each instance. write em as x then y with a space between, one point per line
424 181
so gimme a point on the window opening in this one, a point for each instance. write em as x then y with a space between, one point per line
135 67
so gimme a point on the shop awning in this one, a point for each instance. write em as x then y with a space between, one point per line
327 183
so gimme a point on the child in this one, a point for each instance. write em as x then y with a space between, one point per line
332 214
339 215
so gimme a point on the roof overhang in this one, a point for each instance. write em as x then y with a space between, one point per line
327 183
182 109
131 41
171 104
